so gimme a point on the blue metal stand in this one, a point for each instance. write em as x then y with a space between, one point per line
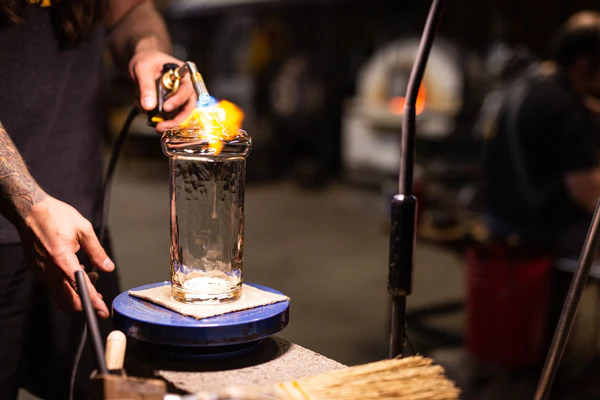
171 334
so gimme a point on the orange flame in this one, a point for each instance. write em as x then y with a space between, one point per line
219 123
396 104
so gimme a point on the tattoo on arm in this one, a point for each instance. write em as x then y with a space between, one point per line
18 190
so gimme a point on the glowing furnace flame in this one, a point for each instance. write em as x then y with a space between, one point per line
396 104
218 123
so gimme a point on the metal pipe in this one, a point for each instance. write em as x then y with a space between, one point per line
569 311
398 331
407 155
404 204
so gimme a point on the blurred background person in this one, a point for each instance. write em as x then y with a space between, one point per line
541 183
542 179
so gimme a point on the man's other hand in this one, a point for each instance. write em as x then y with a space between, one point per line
52 235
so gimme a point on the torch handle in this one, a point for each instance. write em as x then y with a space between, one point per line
162 94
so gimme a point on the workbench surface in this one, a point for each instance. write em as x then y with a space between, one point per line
275 360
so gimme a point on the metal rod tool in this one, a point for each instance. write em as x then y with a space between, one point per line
92 322
569 311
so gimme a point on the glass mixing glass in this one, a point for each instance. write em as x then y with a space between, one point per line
207 215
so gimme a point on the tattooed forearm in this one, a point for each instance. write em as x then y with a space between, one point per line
18 190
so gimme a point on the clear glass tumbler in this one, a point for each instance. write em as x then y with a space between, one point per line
207 215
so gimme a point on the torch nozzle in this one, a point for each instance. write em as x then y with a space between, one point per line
197 81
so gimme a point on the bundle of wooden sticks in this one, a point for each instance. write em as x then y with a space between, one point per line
411 378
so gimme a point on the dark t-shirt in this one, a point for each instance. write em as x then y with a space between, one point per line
50 107
556 135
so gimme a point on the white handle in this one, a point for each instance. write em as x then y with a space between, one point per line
116 344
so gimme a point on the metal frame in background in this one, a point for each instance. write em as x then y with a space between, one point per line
404 204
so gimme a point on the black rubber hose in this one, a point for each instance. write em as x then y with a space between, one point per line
112 165
104 204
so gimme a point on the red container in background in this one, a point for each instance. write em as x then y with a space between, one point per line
508 303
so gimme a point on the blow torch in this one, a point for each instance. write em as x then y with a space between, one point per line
168 84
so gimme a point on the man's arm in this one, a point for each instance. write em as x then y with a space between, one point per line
135 25
19 191
51 231
139 37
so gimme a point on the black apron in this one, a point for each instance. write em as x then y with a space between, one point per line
50 106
